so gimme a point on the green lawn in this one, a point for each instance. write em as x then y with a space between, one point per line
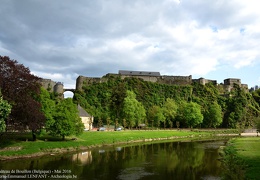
248 150
20 144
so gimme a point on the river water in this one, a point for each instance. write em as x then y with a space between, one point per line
164 160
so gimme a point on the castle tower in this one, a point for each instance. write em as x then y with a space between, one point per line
79 82
58 88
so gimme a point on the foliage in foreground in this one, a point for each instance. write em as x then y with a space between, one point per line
21 89
233 166
62 117
242 159
5 110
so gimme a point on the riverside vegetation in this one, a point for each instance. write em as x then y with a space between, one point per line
129 102
242 159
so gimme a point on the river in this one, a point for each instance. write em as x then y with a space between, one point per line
160 160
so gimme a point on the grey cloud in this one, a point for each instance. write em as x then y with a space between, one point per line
95 37
219 13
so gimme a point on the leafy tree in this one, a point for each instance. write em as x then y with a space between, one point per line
48 106
108 120
180 119
116 123
124 123
155 114
177 124
66 120
213 116
133 110
170 110
100 122
117 99
5 110
21 89
192 114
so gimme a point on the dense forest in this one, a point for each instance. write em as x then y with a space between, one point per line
132 102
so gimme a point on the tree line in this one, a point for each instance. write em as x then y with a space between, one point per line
133 101
130 102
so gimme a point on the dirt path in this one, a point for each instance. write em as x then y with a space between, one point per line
249 134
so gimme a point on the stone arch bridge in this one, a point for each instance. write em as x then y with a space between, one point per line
56 87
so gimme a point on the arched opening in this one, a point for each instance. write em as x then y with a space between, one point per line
68 94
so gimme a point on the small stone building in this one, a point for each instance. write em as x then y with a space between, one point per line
86 118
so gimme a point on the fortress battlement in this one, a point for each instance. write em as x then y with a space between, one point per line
154 77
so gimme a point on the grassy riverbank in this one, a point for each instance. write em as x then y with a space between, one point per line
248 150
243 158
18 145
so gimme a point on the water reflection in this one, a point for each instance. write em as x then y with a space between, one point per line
168 160
82 158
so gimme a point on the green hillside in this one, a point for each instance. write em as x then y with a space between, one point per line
168 105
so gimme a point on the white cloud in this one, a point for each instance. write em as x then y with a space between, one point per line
93 38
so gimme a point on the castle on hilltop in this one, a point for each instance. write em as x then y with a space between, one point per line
155 77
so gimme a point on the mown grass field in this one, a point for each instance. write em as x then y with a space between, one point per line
18 144
248 149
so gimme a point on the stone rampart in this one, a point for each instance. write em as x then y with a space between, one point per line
86 81
204 81
175 80
154 77
52 86
145 78
172 80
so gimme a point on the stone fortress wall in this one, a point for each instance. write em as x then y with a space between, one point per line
52 86
154 77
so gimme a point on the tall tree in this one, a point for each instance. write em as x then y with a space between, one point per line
21 89
192 114
66 120
5 109
170 109
156 115
133 110
48 106
117 99
213 117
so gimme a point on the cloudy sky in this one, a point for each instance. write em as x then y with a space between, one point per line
63 39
